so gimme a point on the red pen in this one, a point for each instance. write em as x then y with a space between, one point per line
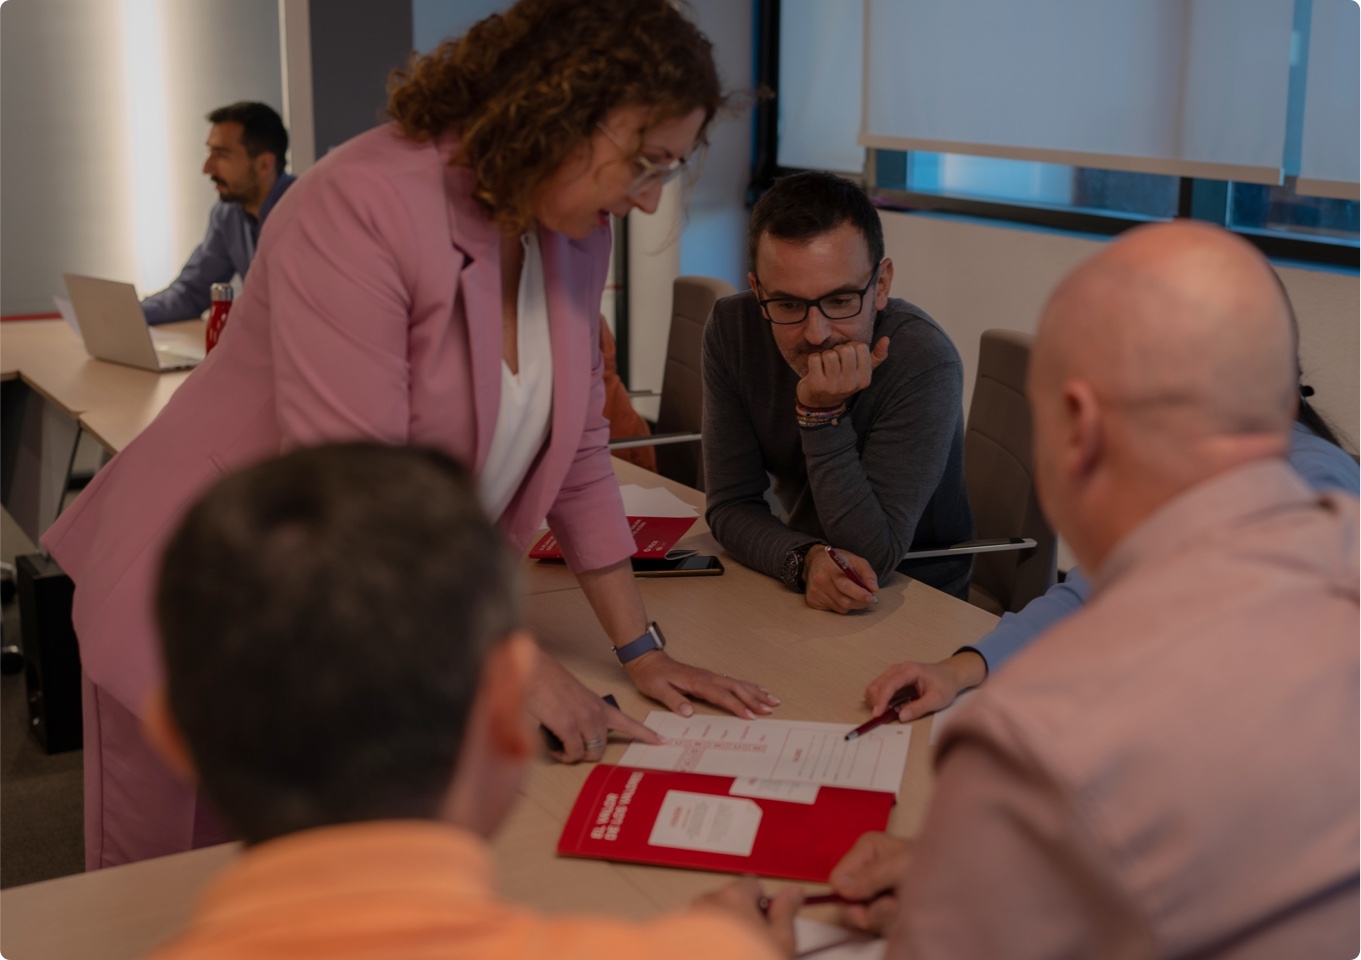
846 569
900 699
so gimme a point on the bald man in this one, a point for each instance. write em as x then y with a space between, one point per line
1172 771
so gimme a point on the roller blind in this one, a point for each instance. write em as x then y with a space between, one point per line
821 62
1328 149
1182 87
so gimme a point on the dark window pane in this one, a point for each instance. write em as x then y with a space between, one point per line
1280 210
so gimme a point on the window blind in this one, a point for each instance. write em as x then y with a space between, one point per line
1328 147
1181 87
821 63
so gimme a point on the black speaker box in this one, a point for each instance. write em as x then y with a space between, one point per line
51 657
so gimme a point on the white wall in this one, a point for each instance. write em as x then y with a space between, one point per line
102 129
709 238
972 276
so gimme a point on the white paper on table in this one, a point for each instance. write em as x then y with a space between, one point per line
805 752
789 790
702 821
68 313
654 502
827 942
942 717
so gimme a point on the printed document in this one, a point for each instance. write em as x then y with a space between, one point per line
784 750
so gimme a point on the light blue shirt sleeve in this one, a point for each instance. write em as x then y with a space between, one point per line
1323 466
1015 630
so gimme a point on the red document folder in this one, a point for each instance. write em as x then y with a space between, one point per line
622 813
652 535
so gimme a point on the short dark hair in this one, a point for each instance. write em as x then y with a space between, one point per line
805 205
262 130
324 619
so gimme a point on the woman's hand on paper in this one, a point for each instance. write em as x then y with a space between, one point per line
743 898
938 684
867 875
577 717
671 683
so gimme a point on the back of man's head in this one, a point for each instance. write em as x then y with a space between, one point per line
806 205
1179 338
262 129
325 617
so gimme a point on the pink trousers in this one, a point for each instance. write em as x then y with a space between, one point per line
136 806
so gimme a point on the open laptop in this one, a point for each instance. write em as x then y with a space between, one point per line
112 324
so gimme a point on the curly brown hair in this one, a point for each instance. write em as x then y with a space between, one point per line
523 88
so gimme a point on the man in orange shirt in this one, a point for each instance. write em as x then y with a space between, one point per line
346 674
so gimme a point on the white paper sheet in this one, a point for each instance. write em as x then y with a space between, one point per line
789 790
826 942
803 752
68 313
702 821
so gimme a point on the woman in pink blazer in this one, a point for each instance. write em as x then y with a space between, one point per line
387 301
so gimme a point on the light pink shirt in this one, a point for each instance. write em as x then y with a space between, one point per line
1172 771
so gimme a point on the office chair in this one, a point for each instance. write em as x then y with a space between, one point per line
1000 479
680 415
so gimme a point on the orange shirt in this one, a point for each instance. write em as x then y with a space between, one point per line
415 889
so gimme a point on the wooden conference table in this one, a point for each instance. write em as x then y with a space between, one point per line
742 623
54 391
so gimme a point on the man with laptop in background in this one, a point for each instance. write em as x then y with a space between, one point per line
246 147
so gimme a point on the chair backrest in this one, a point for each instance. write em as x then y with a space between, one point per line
682 400
1000 478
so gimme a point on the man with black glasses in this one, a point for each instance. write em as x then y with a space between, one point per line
844 401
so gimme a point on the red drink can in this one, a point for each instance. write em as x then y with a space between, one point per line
217 319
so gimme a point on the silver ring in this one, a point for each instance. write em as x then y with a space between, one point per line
594 743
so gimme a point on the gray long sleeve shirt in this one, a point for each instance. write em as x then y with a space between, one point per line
887 478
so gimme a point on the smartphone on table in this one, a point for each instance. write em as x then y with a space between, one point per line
696 565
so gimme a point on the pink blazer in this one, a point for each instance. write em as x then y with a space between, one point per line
372 311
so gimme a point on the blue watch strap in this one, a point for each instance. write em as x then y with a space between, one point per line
649 641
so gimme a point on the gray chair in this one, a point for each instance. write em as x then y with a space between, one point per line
1016 553
680 415
998 472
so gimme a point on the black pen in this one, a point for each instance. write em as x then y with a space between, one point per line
900 699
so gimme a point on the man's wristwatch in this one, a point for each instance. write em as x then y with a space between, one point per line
652 640
794 563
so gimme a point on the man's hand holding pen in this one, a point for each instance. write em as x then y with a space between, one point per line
866 877
831 587
774 915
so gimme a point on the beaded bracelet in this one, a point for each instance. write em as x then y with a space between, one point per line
813 417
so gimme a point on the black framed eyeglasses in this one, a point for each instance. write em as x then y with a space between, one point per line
648 171
841 305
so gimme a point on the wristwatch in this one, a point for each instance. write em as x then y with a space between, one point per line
794 562
652 640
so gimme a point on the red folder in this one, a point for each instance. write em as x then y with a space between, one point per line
616 817
653 536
